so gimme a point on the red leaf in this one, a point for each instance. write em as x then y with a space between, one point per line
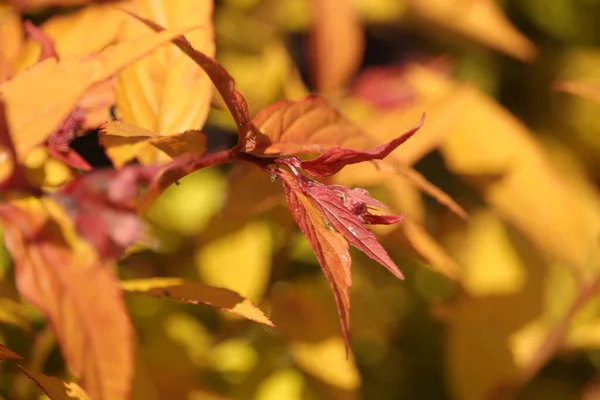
8 354
345 211
333 160
102 205
330 247
350 225
58 141
80 298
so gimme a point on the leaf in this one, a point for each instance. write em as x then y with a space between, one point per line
166 92
72 32
8 354
11 174
335 43
481 20
330 248
70 77
218 75
587 89
197 293
219 260
58 142
11 32
309 125
54 387
124 142
102 206
81 299
333 160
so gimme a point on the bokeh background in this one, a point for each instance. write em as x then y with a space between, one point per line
502 305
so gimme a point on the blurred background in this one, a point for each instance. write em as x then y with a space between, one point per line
502 305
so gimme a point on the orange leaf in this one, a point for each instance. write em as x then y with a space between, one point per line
309 125
336 43
329 246
71 78
80 298
54 387
167 92
197 293
8 354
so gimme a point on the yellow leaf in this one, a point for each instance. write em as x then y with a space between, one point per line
233 356
486 143
70 77
174 211
326 360
491 265
11 42
240 261
79 32
282 384
481 20
167 92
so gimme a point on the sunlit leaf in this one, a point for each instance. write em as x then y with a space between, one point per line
166 92
71 78
124 142
481 20
74 298
330 248
336 43
197 293
239 261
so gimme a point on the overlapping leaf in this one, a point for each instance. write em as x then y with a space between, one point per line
166 92
329 246
124 142
70 77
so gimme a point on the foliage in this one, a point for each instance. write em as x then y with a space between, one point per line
218 154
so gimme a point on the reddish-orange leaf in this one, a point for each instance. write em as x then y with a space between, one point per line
309 125
79 296
329 246
335 44
197 293
8 354
54 387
